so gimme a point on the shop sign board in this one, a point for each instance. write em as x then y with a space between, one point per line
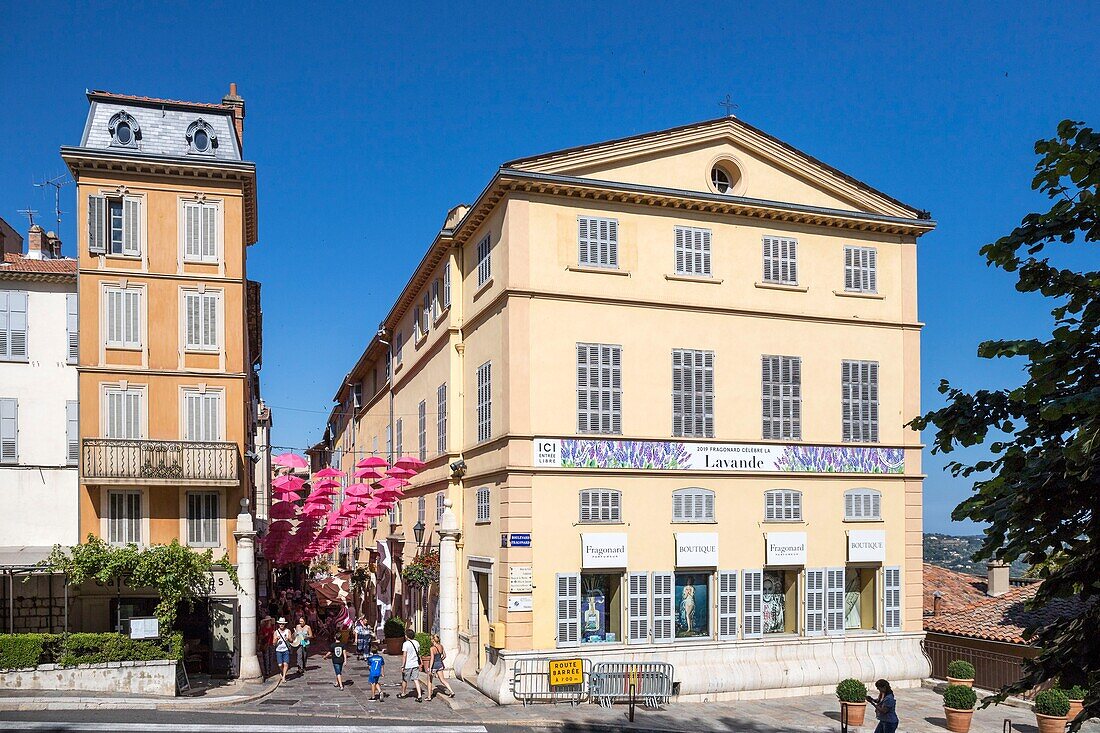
520 603
520 579
566 672
696 549
785 548
867 545
603 550
144 627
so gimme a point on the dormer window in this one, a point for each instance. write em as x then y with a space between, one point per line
124 130
201 137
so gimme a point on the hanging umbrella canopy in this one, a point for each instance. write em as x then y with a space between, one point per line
285 495
357 490
399 472
372 462
324 491
290 460
326 483
389 483
291 482
279 527
328 473
366 473
283 510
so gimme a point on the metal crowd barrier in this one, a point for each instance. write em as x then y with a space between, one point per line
611 682
531 682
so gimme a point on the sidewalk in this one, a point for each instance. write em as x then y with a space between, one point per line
199 698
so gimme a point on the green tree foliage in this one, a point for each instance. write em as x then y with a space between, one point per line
176 572
1039 491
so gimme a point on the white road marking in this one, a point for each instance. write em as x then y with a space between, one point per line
25 725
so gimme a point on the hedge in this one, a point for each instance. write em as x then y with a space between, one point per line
18 651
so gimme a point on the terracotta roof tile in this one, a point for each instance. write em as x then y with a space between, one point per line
957 590
101 94
18 263
1003 618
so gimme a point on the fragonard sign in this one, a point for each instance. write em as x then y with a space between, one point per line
604 550
696 549
866 545
663 455
785 548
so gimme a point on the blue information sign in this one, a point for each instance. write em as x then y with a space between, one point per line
520 540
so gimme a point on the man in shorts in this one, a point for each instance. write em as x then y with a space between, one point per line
282 647
376 670
410 670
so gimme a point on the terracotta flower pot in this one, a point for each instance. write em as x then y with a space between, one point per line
1075 707
1050 723
393 644
958 721
853 712
426 664
964 683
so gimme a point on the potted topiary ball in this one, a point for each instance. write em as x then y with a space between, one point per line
1076 695
1051 709
394 631
853 701
958 707
960 673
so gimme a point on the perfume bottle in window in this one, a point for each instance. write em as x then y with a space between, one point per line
591 617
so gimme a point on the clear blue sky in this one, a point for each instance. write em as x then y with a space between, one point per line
367 124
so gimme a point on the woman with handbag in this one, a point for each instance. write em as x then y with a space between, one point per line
303 635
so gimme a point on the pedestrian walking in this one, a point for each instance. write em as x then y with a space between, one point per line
438 654
338 657
266 643
885 708
303 636
410 671
283 640
362 637
376 670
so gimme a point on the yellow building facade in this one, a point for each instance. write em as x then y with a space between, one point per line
169 322
662 382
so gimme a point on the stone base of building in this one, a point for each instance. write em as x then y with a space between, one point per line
133 678
741 670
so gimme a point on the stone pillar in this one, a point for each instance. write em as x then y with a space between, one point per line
245 535
448 581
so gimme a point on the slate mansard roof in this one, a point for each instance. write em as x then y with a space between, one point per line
162 126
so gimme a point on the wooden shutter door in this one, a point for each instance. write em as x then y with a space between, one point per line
681 250
209 247
892 599
131 226
727 604
815 602
17 324
834 601
191 229
752 606
72 431
97 225
664 626
72 326
210 321
638 608
9 431
568 608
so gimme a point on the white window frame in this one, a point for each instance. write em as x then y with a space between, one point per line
138 392
483 502
598 242
600 506
9 431
395 513
780 260
204 523
782 505
860 269
437 306
599 388
426 315
692 393
14 325
418 334
205 252
441 418
692 251
484 260
131 225
862 505
121 531
781 397
72 432
859 387
439 506
202 330
485 402
131 330
215 395
693 505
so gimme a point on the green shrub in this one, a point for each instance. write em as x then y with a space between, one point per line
425 643
851 690
1076 692
959 697
18 651
1052 702
960 670
102 648
394 628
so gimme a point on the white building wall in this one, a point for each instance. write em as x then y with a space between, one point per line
39 494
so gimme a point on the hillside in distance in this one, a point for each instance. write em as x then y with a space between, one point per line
955 553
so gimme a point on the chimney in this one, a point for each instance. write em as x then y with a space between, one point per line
454 216
37 248
53 244
237 103
996 581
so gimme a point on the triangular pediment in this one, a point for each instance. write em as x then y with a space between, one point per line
758 165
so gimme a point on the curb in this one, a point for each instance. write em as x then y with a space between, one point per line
31 703
219 701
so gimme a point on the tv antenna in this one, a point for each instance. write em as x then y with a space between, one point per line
57 182
29 213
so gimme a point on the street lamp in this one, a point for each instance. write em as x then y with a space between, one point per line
418 532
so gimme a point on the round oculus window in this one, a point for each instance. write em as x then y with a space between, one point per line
720 179
124 134
201 141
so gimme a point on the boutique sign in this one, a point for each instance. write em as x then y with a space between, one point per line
696 549
718 457
603 550
866 545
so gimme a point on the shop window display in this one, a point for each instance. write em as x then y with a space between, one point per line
692 605
601 608
859 599
780 602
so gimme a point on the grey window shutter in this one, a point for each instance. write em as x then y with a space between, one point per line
815 602
5 324
210 321
638 608
9 431
72 432
892 599
568 609
209 232
727 605
708 394
615 506
72 327
97 225
422 429
872 270
834 601
193 320
616 390
441 418
583 377
613 243
131 227
680 235
586 497
678 393
664 620
17 324
447 285
752 603
192 229
849 268
400 438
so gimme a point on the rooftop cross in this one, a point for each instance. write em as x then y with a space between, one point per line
729 105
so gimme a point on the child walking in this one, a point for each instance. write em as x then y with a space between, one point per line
376 670
338 657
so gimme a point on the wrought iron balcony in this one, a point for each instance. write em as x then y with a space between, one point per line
150 462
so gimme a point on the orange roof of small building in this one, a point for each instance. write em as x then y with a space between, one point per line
957 590
1003 618
17 263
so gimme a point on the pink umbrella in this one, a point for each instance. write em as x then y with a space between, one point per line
280 526
283 510
368 473
398 472
290 460
389 483
409 462
358 490
326 484
324 491
292 482
328 473
372 462
285 495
